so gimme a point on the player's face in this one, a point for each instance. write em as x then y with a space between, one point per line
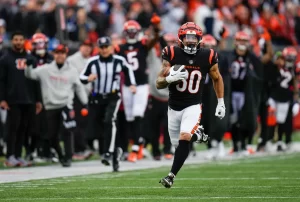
60 57
86 50
241 47
190 40
105 51
18 42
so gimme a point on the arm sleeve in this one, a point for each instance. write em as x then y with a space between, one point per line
3 81
168 54
34 73
84 75
128 71
79 89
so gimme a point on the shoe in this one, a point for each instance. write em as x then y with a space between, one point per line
157 158
116 159
168 156
12 162
66 163
140 154
24 163
132 157
88 154
106 159
167 181
221 150
78 156
280 146
201 137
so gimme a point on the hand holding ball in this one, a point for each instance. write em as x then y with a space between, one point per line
176 74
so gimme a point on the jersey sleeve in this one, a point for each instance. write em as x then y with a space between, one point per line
168 53
213 57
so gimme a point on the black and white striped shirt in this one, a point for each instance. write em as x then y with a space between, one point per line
108 73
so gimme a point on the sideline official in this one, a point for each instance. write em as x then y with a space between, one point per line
104 73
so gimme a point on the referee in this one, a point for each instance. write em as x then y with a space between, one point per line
104 72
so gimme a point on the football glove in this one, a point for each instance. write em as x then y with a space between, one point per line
176 75
220 110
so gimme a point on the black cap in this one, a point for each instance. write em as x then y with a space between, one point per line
104 41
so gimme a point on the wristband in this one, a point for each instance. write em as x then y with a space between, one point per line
221 101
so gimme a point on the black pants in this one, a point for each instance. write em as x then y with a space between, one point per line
157 120
54 124
80 130
18 118
36 134
263 112
103 114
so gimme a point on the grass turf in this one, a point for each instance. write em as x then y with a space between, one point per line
275 178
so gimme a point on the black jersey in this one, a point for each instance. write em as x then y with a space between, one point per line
136 55
43 60
238 71
282 89
188 92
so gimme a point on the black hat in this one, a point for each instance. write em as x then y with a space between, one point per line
104 41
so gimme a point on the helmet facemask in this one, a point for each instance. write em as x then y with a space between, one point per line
190 43
40 48
132 35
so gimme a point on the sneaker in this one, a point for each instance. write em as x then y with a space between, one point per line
157 158
106 159
140 154
66 163
167 181
221 150
132 157
78 156
12 162
24 163
201 137
168 156
116 158
88 154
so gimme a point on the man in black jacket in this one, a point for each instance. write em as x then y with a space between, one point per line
18 95
246 84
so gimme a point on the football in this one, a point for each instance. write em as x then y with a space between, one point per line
176 67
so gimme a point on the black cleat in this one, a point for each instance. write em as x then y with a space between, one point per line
116 158
66 163
105 159
167 181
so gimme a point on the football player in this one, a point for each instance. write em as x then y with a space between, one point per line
211 125
185 86
246 85
38 127
39 49
135 50
284 94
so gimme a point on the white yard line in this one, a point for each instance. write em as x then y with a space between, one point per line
154 198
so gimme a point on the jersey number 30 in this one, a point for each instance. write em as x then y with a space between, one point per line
132 59
192 84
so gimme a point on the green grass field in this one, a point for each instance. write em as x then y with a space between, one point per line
273 179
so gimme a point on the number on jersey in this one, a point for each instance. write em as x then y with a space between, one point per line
192 84
287 77
132 59
238 70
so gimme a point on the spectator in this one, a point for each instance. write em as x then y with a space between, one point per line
18 96
78 61
58 81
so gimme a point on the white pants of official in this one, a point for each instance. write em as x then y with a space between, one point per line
135 104
184 121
